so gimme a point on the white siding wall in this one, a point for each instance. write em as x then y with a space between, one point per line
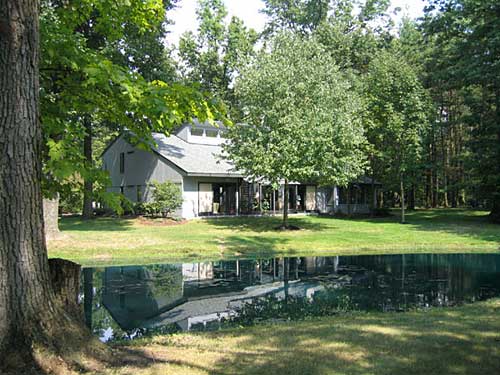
141 167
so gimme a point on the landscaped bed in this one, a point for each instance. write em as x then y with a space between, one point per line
131 241
461 340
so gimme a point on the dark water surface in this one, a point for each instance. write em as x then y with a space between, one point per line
132 301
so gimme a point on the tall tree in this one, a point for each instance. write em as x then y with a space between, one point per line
396 119
212 56
29 312
467 50
300 16
294 133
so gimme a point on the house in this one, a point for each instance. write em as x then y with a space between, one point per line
196 294
192 158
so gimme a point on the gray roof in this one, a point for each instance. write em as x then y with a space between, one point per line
193 158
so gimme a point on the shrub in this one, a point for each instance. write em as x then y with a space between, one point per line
166 197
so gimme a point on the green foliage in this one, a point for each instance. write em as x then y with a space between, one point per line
291 308
302 16
464 75
88 74
294 132
212 56
396 116
70 201
166 197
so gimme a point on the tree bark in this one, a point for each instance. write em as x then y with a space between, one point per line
88 211
51 217
65 280
30 313
25 292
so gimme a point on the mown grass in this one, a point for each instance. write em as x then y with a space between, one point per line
461 340
129 241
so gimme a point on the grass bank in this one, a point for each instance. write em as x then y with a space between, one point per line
462 340
131 241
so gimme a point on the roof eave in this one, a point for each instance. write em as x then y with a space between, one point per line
204 174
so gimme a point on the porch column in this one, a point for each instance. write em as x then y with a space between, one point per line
237 198
260 197
296 196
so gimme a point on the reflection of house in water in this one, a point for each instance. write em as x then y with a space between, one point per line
133 294
199 293
195 293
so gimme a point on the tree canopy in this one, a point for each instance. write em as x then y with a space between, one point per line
302 118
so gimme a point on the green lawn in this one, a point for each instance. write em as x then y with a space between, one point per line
127 241
462 340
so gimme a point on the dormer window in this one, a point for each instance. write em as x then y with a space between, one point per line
197 132
212 133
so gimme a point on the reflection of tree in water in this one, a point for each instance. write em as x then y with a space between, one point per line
97 317
131 293
310 286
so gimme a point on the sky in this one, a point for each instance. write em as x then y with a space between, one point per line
184 15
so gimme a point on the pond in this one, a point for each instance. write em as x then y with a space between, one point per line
132 301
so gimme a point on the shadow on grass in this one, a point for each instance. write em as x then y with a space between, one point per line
265 223
104 224
465 341
255 247
78 352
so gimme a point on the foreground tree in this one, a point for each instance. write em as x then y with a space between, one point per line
29 310
302 115
34 321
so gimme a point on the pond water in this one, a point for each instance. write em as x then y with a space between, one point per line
132 301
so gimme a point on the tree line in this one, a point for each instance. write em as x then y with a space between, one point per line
421 104
426 90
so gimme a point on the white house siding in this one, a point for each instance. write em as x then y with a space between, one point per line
141 168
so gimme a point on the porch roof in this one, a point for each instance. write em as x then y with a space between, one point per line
193 158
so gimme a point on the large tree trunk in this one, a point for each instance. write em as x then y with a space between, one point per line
25 292
30 313
26 297
88 211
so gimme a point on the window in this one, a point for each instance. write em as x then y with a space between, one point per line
197 132
122 162
211 133
139 193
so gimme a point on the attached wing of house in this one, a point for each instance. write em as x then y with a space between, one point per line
192 157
